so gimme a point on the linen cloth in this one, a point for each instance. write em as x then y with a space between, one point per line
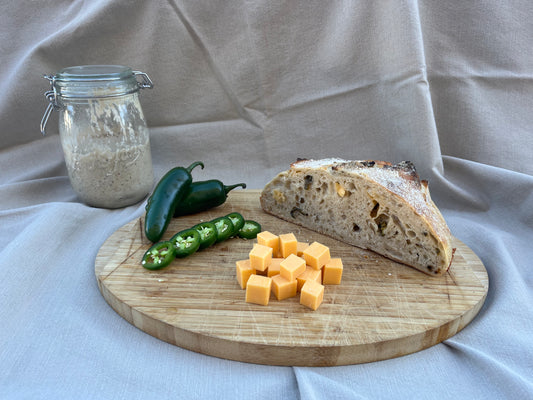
247 87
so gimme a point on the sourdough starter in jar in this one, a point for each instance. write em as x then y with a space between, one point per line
108 158
103 133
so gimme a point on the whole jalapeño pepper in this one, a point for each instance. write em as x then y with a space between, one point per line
203 195
168 193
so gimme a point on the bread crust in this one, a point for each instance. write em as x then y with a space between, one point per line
371 204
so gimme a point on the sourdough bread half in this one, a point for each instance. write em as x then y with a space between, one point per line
370 204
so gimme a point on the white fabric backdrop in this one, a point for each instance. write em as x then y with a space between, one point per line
247 87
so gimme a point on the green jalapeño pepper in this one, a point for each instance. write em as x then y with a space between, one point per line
158 256
225 228
208 234
238 221
185 242
203 195
249 230
169 191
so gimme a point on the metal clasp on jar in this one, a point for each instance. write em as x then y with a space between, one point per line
146 81
51 95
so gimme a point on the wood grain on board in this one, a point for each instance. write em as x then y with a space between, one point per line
381 309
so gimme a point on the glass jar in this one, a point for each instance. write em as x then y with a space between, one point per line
103 133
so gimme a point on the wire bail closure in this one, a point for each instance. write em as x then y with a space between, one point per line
51 95
146 81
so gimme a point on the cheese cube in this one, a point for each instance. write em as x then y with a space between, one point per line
291 267
332 272
312 294
309 274
288 245
244 271
282 288
300 247
258 290
316 255
267 238
274 267
260 257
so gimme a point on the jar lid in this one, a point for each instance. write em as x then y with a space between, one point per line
85 81
89 73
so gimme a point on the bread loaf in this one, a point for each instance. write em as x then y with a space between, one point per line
374 205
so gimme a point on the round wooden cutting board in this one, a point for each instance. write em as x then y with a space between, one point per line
381 309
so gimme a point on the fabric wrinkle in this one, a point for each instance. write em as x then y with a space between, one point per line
248 87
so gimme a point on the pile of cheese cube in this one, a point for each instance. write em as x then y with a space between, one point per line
286 267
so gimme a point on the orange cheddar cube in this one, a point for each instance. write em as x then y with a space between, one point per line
244 271
300 247
282 288
274 267
316 255
310 274
291 267
260 257
312 294
267 238
288 245
258 290
332 272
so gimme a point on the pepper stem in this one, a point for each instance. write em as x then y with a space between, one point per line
229 188
194 165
